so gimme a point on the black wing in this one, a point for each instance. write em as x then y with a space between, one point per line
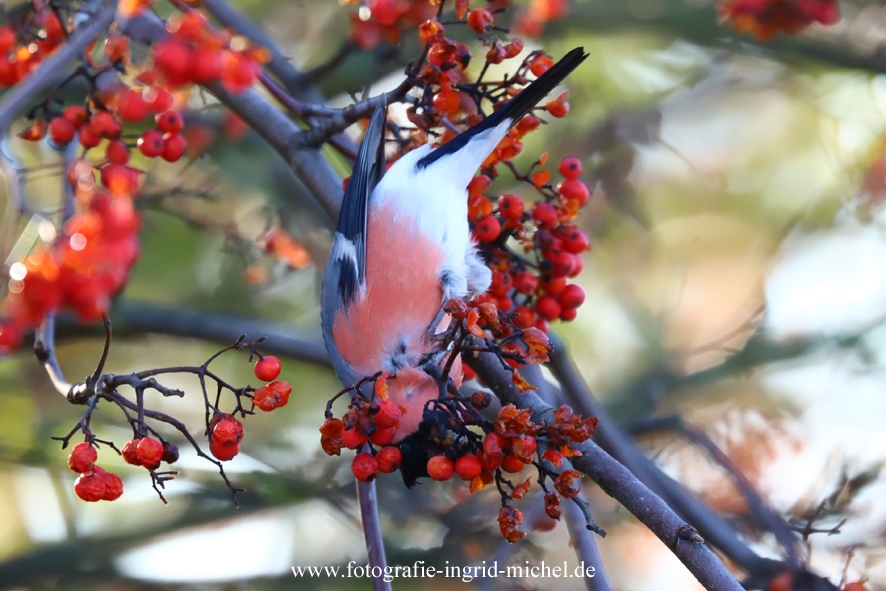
515 108
367 172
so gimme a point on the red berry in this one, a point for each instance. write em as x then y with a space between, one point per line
173 147
574 190
170 122
207 66
512 464
564 264
174 59
61 131
364 466
501 283
510 207
553 285
383 436
575 241
572 297
578 264
480 19
488 229
545 215
389 459
130 452
540 64
88 138
488 462
525 282
227 430
113 487
568 314
238 71
274 395
440 468
478 185
468 467
267 368
90 486
76 115
8 39
525 317
117 152
151 143
105 125
388 415
149 451
351 439
570 167
82 457
548 307
223 452
158 99
132 106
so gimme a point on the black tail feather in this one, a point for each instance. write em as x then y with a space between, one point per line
516 108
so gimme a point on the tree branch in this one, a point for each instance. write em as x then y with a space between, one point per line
618 482
17 98
367 495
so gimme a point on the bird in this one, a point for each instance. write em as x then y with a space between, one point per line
402 248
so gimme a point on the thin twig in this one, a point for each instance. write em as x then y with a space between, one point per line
375 546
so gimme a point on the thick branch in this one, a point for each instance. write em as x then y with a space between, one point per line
138 318
715 529
618 482
41 79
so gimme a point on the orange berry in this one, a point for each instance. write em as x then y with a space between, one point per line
440 468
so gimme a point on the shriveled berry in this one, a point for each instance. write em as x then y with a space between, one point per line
480 399
570 167
568 483
540 64
90 486
227 430
364 466
274 395
149 451
82 457
481 20
488 462
267 368
130 452
440 468
170 453
493 445
389 459
113 487
524 448
468 467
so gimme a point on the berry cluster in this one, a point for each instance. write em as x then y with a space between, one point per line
380 21
22 50
196 53
447 444
149 452
275 394
533 284
766 18
94 483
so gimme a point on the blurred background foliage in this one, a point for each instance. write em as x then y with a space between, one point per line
737 278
